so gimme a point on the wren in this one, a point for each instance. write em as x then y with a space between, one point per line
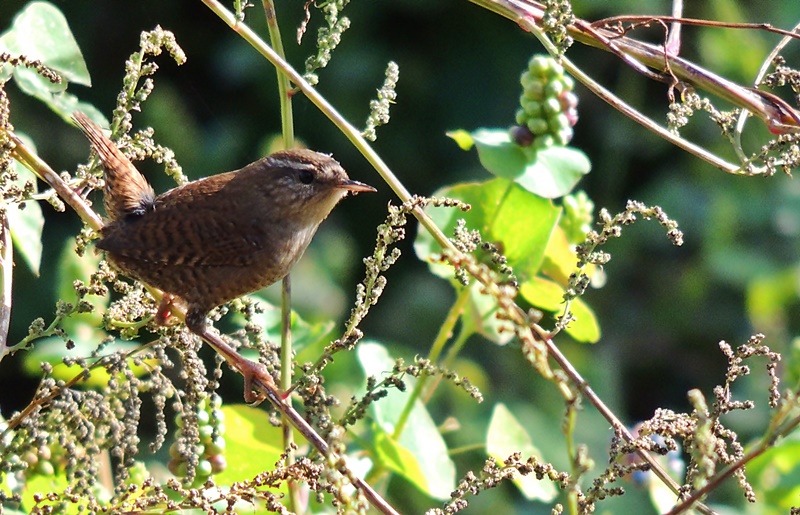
215 239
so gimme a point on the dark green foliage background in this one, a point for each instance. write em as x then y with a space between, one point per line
663 310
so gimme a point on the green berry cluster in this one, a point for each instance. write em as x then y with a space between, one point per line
211 429
40 462
548 106
20 463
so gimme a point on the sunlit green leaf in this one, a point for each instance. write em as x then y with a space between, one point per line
501 156
481 317
53 349
61 102
462 139
775 475
26 233
6 70
770 295
42 484
519 222
549 296
420 454
507 436
252 443
555 172
41 32
303 333
549 172
662 497
82 328
72 267
35 85
559 257
585 328
399 459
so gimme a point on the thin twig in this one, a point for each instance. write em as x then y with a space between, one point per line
740 122
7 263
43 171
647 18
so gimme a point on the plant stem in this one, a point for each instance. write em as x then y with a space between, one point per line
43 171
287 132
776 431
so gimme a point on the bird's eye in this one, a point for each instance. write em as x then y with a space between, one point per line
306 177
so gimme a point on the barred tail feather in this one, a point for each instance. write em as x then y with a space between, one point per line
127 192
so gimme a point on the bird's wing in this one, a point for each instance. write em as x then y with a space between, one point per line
186 235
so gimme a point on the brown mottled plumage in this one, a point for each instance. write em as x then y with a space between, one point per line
218 238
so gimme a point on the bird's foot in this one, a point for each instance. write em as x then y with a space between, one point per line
164 311
258 383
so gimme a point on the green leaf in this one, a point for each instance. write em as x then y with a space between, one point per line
505 437
462 139
481 317
559 257
397 458
555 171
81 328
35 85
775 475
420 455
72 267
41 484
661 496
499 155
248 434
585 328
27 223
549 172
60 102
549 296
40 31
770 294
519 222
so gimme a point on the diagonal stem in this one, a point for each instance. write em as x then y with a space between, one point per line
263 382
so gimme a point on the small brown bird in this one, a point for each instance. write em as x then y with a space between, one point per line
216 239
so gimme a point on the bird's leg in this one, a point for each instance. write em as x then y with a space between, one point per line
255 374
164 312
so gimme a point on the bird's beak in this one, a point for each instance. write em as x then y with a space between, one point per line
355 186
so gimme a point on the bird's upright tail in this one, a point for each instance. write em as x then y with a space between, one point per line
126 192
